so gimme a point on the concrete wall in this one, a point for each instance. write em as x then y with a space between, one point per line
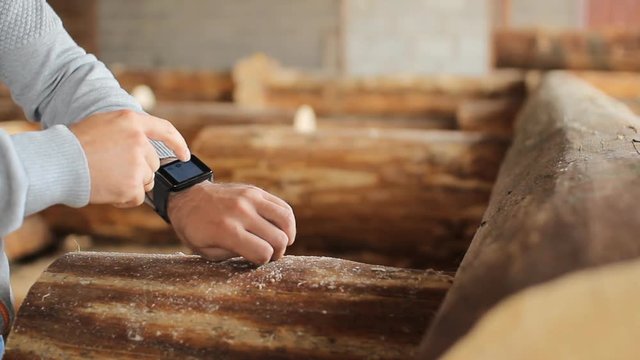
562 14
380 36
418 36
213 34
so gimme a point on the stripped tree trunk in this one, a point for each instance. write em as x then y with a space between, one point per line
262 83
355 189
576 50
352 189
565 200
99 306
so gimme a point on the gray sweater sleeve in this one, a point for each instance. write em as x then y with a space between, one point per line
57 84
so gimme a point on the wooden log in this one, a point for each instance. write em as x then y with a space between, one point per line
262 83
33 236
494 116
565 200
588 315
140 225
177 85
576 50
105 305
355 189
351 189
190 117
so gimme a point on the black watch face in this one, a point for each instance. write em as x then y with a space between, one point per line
179 172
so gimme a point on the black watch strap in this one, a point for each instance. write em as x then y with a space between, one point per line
161 192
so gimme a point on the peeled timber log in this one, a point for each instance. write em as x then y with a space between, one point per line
494 116
190 117
575 50
90 305
261 83
355 189
565 200
33 236
588 315
175 85
352 189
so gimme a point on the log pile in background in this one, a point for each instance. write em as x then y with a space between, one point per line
33 237
190 117
186 307
178 85
353 189
261 83
565 200
418 195
575 50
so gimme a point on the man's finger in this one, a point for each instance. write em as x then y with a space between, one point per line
152 159
162 130
271 234
282 217
252 248
216 254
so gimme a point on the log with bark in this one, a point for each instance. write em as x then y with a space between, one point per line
352 189
106 305
175 85
577 50
262 83
565 200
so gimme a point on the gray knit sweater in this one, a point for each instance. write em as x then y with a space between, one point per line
56 83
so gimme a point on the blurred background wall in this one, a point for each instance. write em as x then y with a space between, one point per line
362 37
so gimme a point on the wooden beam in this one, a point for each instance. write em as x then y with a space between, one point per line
565 200
105 305
588 315
262 83
352 189
178 85
576 50
189 117
356 189
494 116
33 237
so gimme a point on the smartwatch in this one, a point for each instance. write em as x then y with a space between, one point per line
175 176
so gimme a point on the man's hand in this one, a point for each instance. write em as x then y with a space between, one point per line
122 162
220 221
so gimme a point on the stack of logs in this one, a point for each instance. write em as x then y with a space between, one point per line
563 202
373 169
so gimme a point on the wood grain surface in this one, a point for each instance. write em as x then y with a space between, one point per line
107 305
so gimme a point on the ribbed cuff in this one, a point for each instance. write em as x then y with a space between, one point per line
56 168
